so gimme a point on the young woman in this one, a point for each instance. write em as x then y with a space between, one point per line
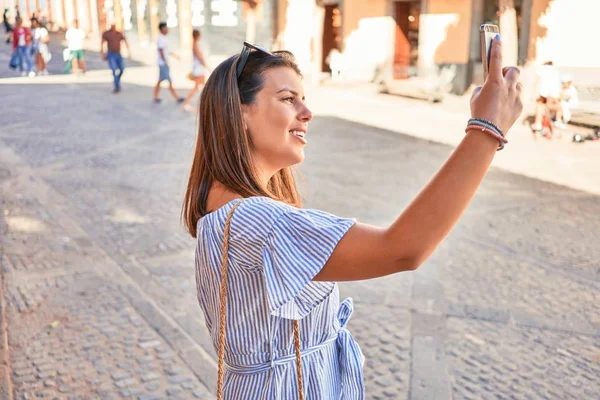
199 68
40 39
278 305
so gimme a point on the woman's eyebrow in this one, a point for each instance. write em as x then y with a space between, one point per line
288 90
285 89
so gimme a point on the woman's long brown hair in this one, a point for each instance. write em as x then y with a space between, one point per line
223 148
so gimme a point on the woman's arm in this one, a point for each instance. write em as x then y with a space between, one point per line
200 57
368 252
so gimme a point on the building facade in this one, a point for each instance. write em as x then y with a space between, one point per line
221 21
363 40
406 39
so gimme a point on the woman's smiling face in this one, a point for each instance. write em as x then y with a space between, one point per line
277 121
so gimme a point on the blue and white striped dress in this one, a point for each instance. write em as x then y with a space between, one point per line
274 252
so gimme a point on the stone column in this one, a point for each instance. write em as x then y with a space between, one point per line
118 14
508 30
89 16
101 14
185 25
64 13
76 11
153 4
49 10
141 22
525 29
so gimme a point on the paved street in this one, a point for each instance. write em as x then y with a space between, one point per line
98 270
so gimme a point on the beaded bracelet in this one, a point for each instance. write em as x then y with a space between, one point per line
489 131
487 123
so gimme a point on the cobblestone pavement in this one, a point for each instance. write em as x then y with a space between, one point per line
99 271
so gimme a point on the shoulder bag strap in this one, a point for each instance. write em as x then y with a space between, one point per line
223 314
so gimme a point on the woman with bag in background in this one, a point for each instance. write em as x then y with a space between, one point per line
199 69
39 46
266 267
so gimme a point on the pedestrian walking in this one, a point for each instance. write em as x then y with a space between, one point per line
39 44
164 73
266 267
199 69
75 37
113 38
7 26
22 47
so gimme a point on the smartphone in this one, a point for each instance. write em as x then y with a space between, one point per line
487 33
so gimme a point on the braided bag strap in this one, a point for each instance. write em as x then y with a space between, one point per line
223 314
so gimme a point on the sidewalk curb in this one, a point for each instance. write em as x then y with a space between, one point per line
6 392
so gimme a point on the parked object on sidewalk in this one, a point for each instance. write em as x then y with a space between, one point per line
431 86
336 60
579 138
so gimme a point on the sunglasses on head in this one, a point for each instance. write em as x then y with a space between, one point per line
246 50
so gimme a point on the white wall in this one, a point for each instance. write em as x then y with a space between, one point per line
570 38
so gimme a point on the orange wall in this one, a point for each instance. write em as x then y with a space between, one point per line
455 17
450 18
354 10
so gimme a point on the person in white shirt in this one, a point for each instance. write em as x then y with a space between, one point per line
548 94
569 99
75 37
40 39
164 74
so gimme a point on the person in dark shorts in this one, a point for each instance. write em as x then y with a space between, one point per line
113 39
164 74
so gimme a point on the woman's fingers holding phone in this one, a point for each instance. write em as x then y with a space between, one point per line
495 59
511 75
499 100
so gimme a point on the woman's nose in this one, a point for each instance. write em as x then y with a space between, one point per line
305 114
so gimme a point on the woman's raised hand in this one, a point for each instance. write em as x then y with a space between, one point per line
499 100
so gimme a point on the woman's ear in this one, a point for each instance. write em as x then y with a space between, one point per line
245 116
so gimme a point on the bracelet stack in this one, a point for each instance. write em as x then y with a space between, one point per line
488 127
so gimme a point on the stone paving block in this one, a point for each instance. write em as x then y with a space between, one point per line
70 359
527 360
